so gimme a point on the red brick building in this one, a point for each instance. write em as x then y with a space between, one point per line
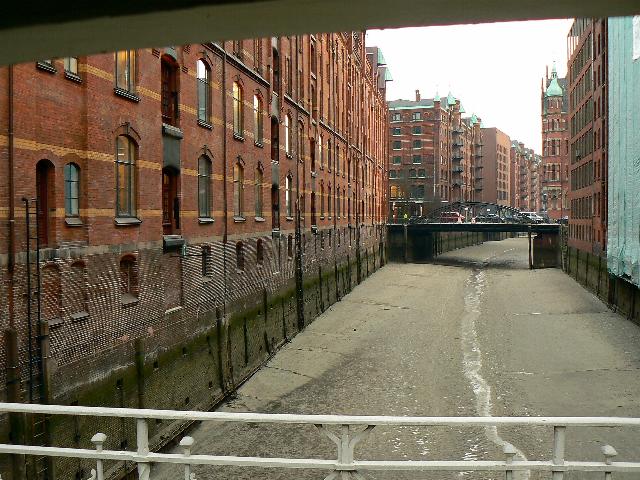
525 184
497 166
587 74
435 155
555 145
181 188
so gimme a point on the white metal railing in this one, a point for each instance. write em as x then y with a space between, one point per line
345 431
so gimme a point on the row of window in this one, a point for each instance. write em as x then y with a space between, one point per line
415 159
397 144
420 173
397 117
415 130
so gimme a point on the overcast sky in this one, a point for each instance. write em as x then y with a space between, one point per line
494 69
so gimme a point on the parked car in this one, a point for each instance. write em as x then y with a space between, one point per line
488 218
545 217
530 217
451 217
510 218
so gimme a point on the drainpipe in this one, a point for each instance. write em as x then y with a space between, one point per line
12 206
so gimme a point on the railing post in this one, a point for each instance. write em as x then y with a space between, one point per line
558 450
609 452
186 443
142 440
509 452
98 440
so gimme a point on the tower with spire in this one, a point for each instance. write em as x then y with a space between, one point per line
555 141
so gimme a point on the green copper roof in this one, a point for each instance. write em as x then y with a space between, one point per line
387 75
451 100
381 60
554 89
462 110
474 119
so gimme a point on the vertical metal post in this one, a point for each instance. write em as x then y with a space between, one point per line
530 252
98 440
186 443
29 317
558 450
142 440
609 453
509 452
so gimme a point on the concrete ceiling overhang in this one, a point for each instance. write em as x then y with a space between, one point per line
39 29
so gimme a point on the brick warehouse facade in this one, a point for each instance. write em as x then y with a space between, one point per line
588 160
199 205
555 145
435 155
497 166
525 184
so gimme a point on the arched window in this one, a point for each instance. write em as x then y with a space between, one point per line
329 200
204 187
237 110
258 192
126 184
300 141
290 246
204 92
125 70
71 189
320 153
288 196
321 200
259 252
128 279
257 119
240 256
312 152
169 90
287 135
276 71
238 190
338 202
275 139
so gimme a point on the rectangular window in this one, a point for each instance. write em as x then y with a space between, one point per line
397 145
393 174
417 130
125 70
417 159
395 117
421 173
71 65
417 144
396 131
417 116
397 160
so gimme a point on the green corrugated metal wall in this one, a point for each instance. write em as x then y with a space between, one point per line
623 251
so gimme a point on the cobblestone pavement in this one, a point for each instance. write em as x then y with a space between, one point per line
476 334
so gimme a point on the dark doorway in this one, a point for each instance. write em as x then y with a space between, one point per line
170 201
45 193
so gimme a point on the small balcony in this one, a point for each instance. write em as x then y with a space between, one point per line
457 169
458 143
457 156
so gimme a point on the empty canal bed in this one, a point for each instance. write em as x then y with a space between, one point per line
477 334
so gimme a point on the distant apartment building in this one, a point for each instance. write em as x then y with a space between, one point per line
497 169
435 155
587 76
555 145
525 184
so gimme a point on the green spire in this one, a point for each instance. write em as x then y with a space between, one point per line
474 119
554 89
451 100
